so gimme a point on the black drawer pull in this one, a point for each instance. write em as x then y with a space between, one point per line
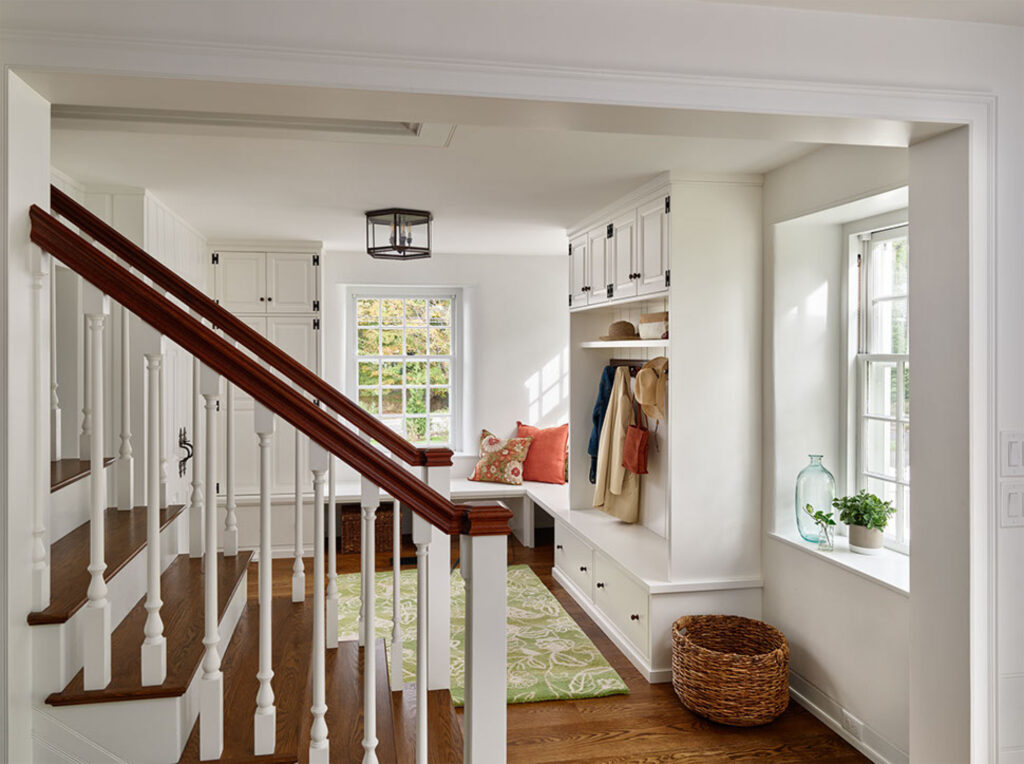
558 546
583 568
600 585
634 617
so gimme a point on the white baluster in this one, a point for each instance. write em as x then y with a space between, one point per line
55 413
265 721
96 618
154 648
163 440
370 500
211 690
125 457
332 559
421 536
482 562
85 436
43 414
439 582
298 569
397 679
230 518
196 513
319 745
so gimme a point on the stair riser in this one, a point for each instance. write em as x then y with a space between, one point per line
69 507
154 730
57 648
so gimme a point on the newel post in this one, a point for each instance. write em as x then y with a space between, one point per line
439 565
483 553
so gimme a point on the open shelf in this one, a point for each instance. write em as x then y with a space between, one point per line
606 344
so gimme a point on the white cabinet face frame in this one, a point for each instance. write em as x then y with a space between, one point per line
653 243
240 281
579 266
624 266
291 282
598 277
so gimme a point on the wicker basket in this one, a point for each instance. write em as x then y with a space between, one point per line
351 528
729 669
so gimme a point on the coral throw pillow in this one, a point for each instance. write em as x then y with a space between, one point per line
547 460
501 461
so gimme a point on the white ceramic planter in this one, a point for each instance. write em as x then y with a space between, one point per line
865 540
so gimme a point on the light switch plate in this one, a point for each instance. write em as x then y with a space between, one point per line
1011 503
1011 454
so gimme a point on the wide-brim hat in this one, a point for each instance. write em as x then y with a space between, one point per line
621 331
651 384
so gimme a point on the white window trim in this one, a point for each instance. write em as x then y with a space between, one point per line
456 382
857 234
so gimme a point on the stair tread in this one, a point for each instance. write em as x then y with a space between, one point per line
64 472
183 617
125 537
444 740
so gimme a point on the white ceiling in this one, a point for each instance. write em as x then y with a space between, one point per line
984 11
493 190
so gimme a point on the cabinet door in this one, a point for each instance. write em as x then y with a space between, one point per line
240 281
623 255
578 271
653 223
598 278
291 282
297 337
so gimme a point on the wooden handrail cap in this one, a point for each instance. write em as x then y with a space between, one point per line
483 518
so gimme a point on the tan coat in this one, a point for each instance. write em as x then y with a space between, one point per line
618 490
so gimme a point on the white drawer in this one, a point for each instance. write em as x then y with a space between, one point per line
575 558
623 601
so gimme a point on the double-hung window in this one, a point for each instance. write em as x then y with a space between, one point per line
403 347
883 369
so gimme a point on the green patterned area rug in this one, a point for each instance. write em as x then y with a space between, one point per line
549 656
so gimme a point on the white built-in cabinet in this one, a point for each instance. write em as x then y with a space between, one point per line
696 546
622 252
275 289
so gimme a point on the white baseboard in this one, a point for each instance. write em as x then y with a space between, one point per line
56 743
827 710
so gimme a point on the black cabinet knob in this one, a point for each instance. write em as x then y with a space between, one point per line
558 546
583 568
600 585
262 299
634 617
270 299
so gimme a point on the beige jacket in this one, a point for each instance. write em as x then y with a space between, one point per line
618 490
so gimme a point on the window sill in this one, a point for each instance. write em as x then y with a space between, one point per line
888 568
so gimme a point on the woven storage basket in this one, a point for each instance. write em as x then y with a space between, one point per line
729 669
351 528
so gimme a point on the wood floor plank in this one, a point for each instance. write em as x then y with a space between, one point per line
183 617
124 537
444 739
64 472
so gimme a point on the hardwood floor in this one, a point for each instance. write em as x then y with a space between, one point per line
645 727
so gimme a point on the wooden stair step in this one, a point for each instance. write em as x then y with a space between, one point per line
125 537
444 737
64 472
183 617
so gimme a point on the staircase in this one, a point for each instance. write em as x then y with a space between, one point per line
147 645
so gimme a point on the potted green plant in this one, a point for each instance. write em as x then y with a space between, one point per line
867 516
826 528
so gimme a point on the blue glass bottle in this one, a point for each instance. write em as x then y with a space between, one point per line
815 486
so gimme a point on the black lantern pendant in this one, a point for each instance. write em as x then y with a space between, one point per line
398 234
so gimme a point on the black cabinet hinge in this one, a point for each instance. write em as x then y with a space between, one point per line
316 324
316 402
218 405
316 306
570 249
611 291
610 231
570 301
217 489
215 257
316 260
668 277
668 204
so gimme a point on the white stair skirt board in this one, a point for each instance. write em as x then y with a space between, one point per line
56 743
154 730
57 648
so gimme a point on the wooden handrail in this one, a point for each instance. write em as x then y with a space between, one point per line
166 279
243 371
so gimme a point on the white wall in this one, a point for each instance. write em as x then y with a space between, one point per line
848 635
515 326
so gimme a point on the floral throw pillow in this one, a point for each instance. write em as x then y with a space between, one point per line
501 461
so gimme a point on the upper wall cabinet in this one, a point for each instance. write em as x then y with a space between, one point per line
267 282
623 257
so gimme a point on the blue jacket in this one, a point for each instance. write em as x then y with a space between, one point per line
604 391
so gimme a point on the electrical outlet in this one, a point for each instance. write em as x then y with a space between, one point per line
1011 503
853 725
1011 453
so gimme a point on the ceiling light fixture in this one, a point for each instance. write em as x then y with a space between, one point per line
398 234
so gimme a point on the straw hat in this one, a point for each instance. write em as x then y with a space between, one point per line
621 330
651 381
